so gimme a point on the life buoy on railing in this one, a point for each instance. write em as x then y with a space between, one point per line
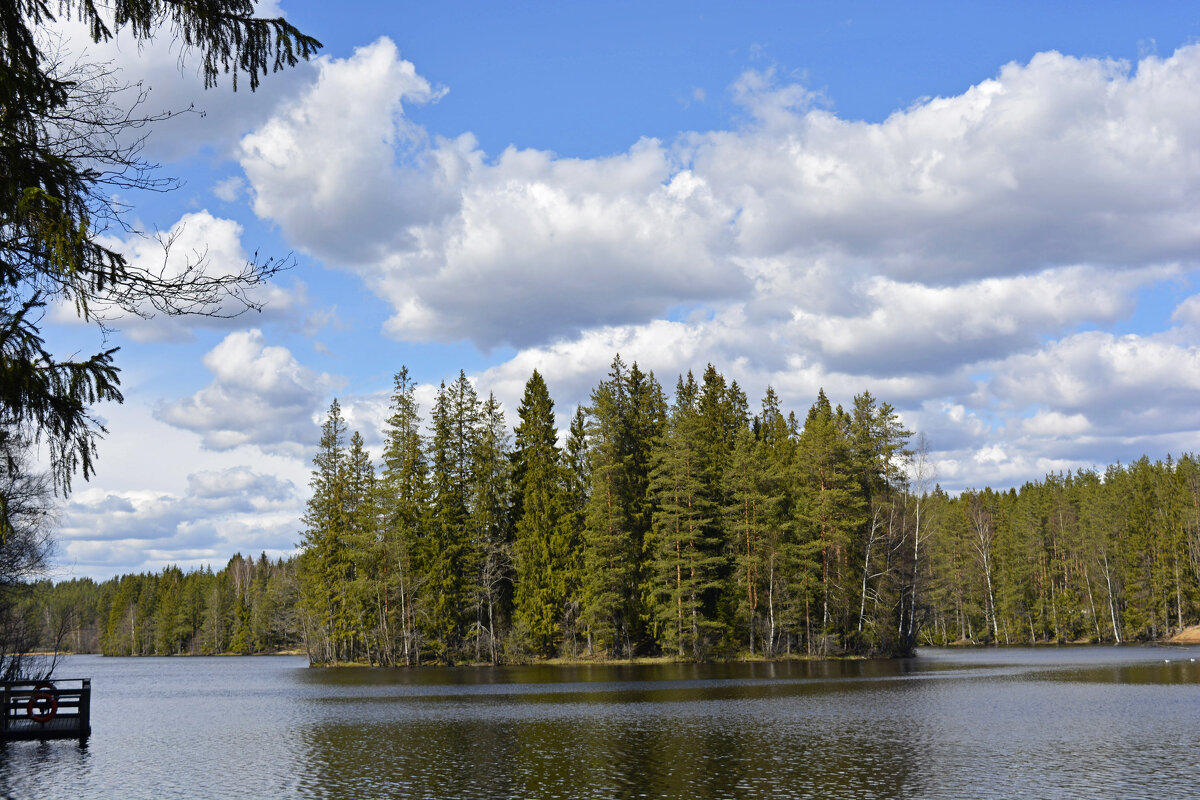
43 703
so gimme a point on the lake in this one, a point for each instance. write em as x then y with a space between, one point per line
1038 723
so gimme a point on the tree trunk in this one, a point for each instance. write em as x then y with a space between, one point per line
1091 602
771 611
1112 609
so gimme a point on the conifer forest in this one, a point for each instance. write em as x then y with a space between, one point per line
686 524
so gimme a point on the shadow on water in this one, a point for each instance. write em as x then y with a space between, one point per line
600 679
1165 674
667 757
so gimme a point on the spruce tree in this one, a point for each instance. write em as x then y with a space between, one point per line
626 417
55 204
449 559
325 567
542 543
405 501
171 629
721 416
610 572
365 554
686 558
576 480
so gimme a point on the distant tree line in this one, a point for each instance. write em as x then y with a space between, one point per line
1112 556
248 607
691 527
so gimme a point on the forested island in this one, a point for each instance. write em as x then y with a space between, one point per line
689 527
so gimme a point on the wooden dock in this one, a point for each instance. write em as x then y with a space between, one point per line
58 709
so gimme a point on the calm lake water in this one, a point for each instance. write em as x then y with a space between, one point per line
1038 723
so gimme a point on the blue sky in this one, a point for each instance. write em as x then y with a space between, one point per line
986 215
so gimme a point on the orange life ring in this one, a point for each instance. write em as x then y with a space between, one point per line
43 703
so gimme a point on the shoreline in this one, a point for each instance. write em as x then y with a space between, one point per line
1186 637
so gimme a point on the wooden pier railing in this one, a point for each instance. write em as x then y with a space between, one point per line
58 709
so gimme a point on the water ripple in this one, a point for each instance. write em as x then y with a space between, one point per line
1011 723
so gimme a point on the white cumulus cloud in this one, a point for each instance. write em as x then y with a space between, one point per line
260 395
968 252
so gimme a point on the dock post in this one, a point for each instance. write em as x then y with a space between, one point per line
85 711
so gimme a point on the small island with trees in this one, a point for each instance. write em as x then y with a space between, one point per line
684 527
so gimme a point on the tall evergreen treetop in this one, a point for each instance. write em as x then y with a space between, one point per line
454 445
536 439
686 564
626 417
543 543
326 565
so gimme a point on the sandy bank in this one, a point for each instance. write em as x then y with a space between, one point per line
1187 636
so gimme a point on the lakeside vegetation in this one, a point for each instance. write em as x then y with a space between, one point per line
691 529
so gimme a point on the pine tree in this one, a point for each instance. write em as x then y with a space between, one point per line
747 521
877 451
1071 556
832 505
